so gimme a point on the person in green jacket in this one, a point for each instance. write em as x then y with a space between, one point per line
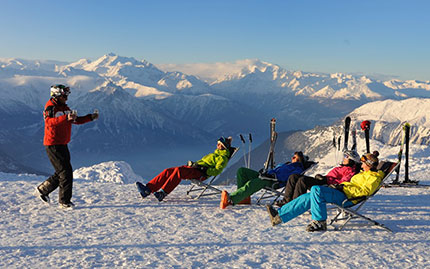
210 165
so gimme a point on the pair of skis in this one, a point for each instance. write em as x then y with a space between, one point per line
404 145
365 126
245 158
270 162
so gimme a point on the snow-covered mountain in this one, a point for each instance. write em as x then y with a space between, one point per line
387 120
389 116
261 77
145 110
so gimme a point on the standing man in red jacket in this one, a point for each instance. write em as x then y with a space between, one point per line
58 127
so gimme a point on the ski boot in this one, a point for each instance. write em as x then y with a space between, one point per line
160 195
225 200
274 215
317 226
68 205
143 190
43 197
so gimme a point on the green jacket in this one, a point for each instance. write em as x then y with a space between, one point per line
215 162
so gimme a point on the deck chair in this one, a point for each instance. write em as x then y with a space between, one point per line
275 192
348 213
205 188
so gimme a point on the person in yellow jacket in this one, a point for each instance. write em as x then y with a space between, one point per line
362 184
210 165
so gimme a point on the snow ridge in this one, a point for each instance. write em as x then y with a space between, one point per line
114 171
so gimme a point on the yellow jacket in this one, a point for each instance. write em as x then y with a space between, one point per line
363 184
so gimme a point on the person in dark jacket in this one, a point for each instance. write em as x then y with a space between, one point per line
210 165
58 127
299 184
364 183
249 181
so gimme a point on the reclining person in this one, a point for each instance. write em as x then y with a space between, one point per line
363 184
249 182
210 165
299 184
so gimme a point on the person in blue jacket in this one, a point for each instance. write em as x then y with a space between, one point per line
249 181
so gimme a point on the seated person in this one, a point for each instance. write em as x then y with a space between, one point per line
210 165
249 182
300 184
363 184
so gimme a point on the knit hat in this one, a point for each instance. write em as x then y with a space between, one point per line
226 142
371 159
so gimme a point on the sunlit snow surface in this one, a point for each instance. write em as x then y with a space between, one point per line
113 227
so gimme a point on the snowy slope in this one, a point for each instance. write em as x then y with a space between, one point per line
113 227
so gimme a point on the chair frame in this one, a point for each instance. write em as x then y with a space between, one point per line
206 189
272 191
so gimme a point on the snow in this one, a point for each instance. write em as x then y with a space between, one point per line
416 111
114 171
113 227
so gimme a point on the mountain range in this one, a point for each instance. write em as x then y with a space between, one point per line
153 117
387 120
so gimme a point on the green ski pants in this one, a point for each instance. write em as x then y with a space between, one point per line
247 184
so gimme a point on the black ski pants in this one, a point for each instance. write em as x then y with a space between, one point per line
59 156
298 185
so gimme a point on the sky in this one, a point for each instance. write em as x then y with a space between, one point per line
374 37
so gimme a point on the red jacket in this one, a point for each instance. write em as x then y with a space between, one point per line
58 129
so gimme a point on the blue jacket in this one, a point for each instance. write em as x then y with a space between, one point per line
283 171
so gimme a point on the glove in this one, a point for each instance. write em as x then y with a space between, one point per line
338 187
267 175
202 169
320 177
94 116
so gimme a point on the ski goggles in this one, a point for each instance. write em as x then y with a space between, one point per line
64 90
370 162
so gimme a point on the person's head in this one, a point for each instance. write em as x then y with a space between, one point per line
60 93
369 161
350 158
298 157
224 143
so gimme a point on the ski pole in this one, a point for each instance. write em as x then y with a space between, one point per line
249 150
244 152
